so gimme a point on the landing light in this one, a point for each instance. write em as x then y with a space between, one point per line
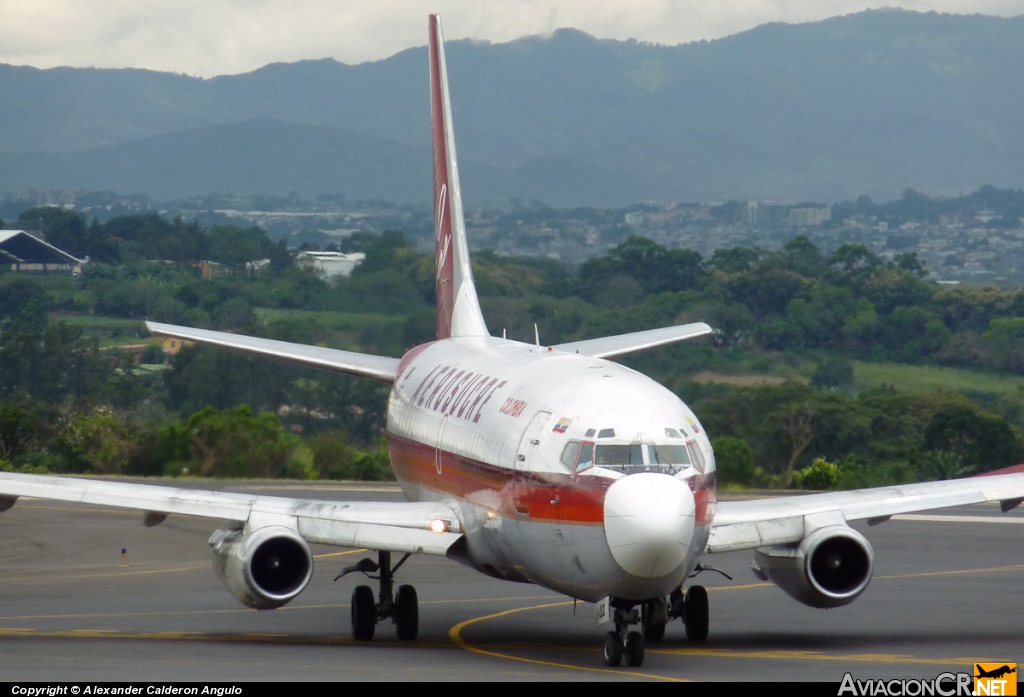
440 525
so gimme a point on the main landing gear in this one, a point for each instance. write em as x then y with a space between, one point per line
653 616
401 607
691 608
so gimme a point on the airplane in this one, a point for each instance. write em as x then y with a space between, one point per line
995 673
550 465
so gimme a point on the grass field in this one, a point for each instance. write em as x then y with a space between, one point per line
916 378
97 322
337 321
109 331
868 376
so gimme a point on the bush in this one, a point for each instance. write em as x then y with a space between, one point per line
820 476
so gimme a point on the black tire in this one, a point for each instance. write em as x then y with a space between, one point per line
407 613
653 630
697 614
613 650
364 613
634 649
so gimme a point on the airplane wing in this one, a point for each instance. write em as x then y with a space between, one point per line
784 520
379 368
621 344
382 526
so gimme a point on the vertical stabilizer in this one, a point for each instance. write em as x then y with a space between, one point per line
458 309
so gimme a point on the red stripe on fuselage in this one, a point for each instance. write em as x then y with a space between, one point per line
540 496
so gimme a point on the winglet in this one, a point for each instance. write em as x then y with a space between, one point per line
458 309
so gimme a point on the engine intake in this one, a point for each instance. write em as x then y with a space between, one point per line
265 568
829 568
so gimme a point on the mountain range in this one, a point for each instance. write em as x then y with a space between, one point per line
867 103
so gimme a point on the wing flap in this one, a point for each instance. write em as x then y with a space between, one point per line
621 344
379 368
750 524
384 525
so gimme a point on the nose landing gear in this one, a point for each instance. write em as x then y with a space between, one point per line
653 616
632 648
622 642
402 608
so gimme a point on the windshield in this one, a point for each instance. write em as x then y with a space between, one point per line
631 458
668 455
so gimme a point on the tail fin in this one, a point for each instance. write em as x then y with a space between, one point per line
458 309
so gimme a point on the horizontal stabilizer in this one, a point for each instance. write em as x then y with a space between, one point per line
621 344
379 368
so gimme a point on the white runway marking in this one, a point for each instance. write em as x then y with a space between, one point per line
1014 520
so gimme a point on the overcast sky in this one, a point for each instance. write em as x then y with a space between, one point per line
214 37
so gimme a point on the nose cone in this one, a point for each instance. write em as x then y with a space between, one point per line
648 521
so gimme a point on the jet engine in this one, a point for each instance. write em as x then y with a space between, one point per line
264 568
829 568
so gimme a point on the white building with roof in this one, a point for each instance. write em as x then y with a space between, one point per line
331 263
21 252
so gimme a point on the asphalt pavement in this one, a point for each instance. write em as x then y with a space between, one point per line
946 593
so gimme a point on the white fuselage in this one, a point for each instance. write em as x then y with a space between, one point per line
572 472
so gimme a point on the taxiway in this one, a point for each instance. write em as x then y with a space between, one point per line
946 592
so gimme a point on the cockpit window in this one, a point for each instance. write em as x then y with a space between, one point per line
619 455
586 459
590 432
606 433
672 433
569 454
668 455
697 455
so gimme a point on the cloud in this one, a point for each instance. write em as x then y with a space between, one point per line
205 38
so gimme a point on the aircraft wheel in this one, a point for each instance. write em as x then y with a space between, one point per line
635 649
655 616
407 613
697 614
613 650
364 613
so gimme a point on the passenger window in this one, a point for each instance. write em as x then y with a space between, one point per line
586 459
569 454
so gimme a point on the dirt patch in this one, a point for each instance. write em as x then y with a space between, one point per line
747 380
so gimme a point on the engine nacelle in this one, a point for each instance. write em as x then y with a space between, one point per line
829 568
265 568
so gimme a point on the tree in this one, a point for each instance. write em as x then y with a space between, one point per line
798 423
734 460
95 442
974 437
833 372
17 428
236 443
655 268
24 299
735 259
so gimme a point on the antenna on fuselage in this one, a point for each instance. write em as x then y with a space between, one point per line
536 334
503 333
